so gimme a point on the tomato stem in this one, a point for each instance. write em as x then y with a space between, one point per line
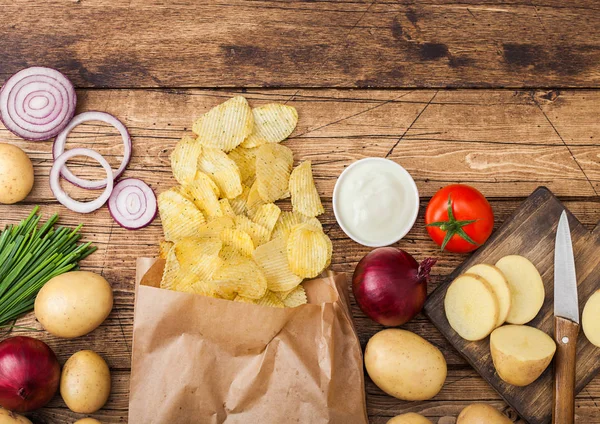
453 227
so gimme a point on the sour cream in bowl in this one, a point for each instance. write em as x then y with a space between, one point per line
376 202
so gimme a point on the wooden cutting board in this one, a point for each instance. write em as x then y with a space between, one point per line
530 232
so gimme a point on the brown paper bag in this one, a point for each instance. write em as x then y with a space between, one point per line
203 360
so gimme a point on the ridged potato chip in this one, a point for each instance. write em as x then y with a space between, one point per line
239 240
239 203
229 253
269 299
254 201
305 197
189 282
273 260
215 227
296 297
199 256
288 220
243 299
180 217
240 276
257 233
274 164
308 251
273 123
225 126
223 171
226 209
267 216
245 159
163 248
170 271
184 160
205 195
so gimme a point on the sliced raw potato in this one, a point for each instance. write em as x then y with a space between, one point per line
273 123
471 307
521 353
480 413
497 280
274 164
242 277
163 248
308 251
591 319
288 220
238 240
180 217
199 256
410 418
245 159
295 297
526 288
269 299
273 260
205 195
170 271
223 171
305 197
258 233
184 160
267 216
225 126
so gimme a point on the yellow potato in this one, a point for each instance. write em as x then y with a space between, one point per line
184 160
273 167
180 217
305 197
226 125
85 382
590 319
405 365
73 304
273 123
308 251
521 353
9 417
222 170
273 260
87 421
479 413
410 418
16 174
497 281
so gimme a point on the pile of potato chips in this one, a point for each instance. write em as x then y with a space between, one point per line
224 235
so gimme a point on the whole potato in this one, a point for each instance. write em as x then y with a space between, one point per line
16 174
9 417
87 421
85 382
410 418
480 413
405 365
73 304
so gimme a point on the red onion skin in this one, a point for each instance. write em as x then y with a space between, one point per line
390 286
29 374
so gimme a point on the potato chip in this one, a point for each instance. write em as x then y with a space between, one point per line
273 123
267 216
184 160
189 282
163 248
226 209
229 253
204 193
223 171
254 201
245 159
296 297
226 125
215 227
257 233
287 221
239 203
305 197
243 299
239 240
308 251
273 260
199 256
274 164
240 276
180 217
170 271
269 299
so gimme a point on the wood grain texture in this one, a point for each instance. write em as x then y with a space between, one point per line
566 333
497 140
295 43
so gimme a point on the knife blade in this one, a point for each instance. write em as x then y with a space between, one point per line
566 304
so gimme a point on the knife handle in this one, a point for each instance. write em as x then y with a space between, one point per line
565 335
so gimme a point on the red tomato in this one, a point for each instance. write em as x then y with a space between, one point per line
459 218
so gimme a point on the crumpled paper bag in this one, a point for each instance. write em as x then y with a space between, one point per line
203 360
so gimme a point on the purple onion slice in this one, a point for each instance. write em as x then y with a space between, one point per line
132 204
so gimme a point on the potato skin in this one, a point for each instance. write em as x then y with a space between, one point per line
410 418
87 421
73 304
405 365
16 174
480 413
9 417
85 382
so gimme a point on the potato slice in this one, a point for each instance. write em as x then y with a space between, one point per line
240 276
180 217
308 250
305 197
273 123
591 319
184 160
471 307
480 413
267 216
273 260
295 297
410 418
222 170
526 288
269 299
521 353
497 280
205 195
245 159
274 164
287 221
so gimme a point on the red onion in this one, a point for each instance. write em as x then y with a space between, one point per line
132 204
63 198
29 374
61 141
37 103
389 285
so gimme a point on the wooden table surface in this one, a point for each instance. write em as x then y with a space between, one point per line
498 94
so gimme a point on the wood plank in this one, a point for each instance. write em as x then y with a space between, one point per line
293 43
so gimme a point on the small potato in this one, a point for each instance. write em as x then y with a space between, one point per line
479 413
73 304
16 174
405 365
410 418
9 417
85 382
87 421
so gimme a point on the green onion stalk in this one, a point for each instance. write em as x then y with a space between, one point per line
30 256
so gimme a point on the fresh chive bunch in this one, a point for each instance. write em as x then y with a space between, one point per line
30 257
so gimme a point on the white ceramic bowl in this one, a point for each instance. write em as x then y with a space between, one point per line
408 184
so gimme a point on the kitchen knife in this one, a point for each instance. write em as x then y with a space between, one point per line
566 325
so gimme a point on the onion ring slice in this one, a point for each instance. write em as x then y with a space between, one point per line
133 204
